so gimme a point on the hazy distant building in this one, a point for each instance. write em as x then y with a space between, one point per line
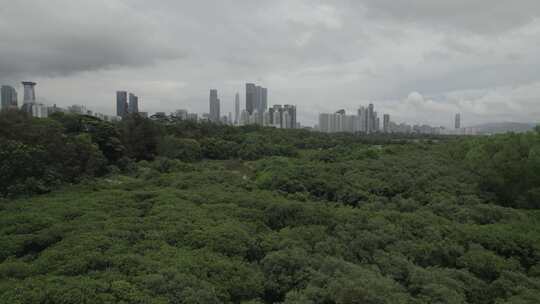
181 114
29 98
348 123
263 102
39 110
251 95
256 98
237 109
362 119
457 122
291 110
29 92
267 120
133 106
365 120
324 122
122 104
55 109
275 115
386 123
214 114
370 119
244 118
9 97
78 109
159 116
29 101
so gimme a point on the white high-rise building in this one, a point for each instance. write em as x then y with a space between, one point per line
244 118
266 119
39 110
287 122
276 119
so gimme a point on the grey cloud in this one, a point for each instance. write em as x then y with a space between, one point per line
48 38
479 16
320 55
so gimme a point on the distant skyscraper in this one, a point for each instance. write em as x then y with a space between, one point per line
121 104
457 123
324 122
133 106
256 98
9 97
251 95
386 123
291 110
215 115
362 119
263 102
287 120
371 119
29 92
29 99
237 109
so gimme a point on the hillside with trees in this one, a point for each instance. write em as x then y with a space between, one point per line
159 212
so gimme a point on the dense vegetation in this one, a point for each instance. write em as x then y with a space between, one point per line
177 212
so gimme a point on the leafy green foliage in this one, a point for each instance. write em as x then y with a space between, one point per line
201 213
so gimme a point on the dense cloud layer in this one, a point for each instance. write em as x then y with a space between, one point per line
478 57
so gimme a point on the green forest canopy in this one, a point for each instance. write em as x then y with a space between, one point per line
178 212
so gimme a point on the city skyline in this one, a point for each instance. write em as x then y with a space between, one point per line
225 108
127 102
365 120
317 55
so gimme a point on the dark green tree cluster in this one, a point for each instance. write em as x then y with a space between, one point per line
202 213
506 165
353 223
38 154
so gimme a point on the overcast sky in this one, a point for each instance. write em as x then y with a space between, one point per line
419 60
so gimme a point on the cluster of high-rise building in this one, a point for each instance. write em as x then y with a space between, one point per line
126 104
366 120
37 109
256 98
256 110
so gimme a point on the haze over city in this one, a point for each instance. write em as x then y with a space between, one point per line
417 61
